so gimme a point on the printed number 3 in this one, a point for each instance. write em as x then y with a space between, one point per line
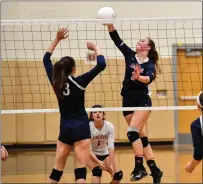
66 92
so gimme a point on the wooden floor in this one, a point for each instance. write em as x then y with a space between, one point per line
35 166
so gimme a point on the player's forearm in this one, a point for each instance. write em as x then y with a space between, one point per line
195 162
144 79
53 45
111 28
191 165
115 37
97 51
111 156
94 158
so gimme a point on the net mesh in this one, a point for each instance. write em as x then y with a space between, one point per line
25 85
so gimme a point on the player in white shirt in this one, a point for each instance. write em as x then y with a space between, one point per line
102 148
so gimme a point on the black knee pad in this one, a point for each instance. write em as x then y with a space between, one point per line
133 136
56 175
97 171
80 173
145 141
198 152
118 175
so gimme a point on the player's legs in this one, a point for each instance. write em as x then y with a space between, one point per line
149 157
82 139
137 122
148 153
96 171
136 174
118 174
82 152
62 152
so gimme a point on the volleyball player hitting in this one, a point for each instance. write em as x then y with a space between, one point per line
74 122
141 69
197 137
102 148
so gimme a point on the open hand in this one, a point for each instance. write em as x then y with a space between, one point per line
136 72
62 34
91 46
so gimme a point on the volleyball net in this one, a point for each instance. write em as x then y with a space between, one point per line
25 86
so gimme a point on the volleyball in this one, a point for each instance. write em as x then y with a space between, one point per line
106 13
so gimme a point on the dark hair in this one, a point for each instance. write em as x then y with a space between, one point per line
153 55
95 106
61 70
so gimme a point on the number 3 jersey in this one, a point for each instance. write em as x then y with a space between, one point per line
72 106
103 139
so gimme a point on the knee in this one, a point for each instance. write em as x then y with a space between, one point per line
80 173
132 134
56 175
145 141
118 176
97 171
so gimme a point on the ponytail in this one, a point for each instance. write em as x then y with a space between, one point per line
62 69
154 56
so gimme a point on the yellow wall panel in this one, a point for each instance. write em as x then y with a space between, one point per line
8 124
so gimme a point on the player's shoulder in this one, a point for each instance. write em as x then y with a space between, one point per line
72 78
109 124
150 62
91 123
197 120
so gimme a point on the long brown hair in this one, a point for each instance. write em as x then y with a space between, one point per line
61 70
154 56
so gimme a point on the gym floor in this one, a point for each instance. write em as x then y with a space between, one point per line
34 166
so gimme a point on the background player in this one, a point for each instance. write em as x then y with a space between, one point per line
102 148
197 137
141 69
70 95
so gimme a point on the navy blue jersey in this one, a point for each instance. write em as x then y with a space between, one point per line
148 68
196 130
72 106
197 138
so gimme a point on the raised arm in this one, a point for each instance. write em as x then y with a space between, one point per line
118 41
86 78
61 34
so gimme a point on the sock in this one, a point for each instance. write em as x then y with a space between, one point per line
139 162
152 166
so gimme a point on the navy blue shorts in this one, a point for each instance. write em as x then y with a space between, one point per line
130 101
71 134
